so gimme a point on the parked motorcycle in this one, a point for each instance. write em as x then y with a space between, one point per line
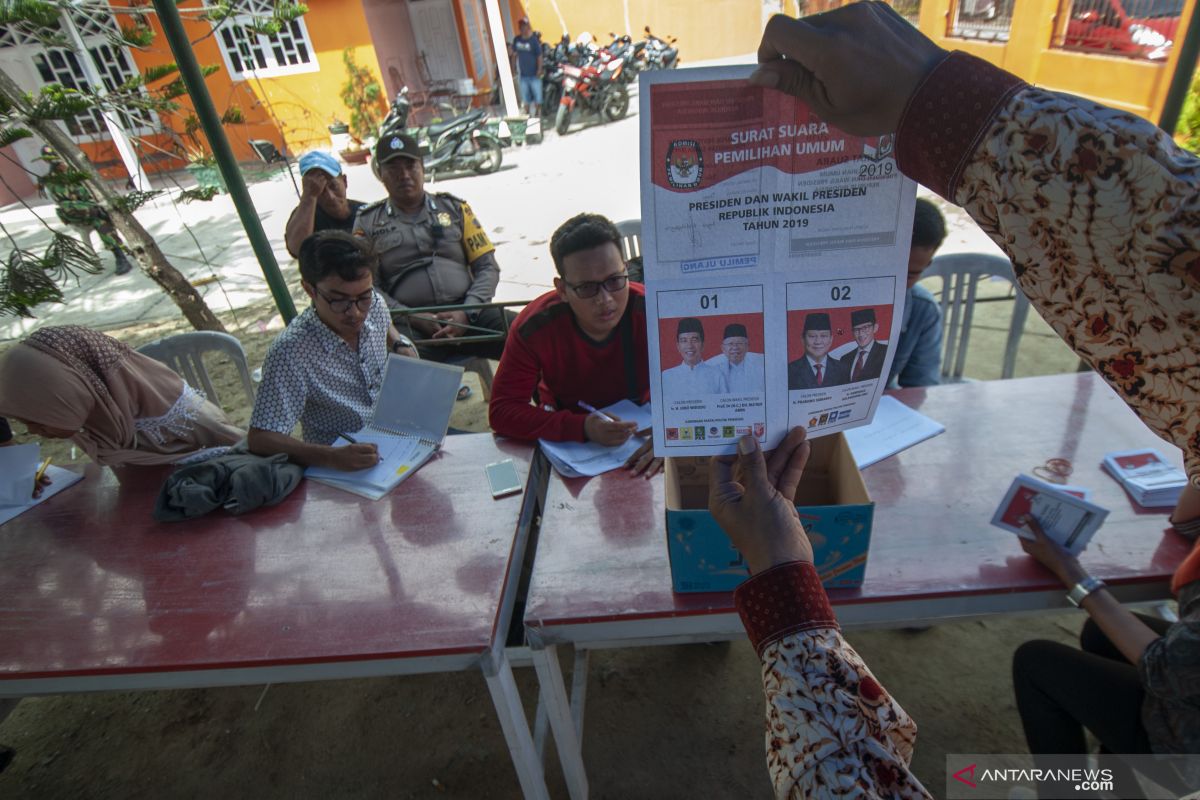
591 89
660 53
457 144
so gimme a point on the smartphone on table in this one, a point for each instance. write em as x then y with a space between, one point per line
503 478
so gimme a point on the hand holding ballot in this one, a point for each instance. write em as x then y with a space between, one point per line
751 497
855 66
1051 555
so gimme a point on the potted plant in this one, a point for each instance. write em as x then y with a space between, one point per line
362 93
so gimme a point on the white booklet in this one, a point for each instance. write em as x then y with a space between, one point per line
18 467
1066 517
776 254
896 427
585 459
408 424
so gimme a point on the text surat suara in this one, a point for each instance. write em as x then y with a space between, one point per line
776 144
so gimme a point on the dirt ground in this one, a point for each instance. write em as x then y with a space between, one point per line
664 722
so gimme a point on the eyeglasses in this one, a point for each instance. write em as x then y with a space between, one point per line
342 305
866 327
611 284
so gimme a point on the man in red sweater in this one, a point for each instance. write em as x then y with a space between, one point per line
583 342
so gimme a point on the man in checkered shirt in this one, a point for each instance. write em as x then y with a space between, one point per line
325 370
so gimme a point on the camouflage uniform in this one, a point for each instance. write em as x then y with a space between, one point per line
76 205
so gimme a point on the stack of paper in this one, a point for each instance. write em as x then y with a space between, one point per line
1147 476
586 459
1063 512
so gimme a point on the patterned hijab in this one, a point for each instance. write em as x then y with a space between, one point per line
77 379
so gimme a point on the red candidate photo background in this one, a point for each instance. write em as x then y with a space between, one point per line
839 319
714 328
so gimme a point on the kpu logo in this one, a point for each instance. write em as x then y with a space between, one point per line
685 164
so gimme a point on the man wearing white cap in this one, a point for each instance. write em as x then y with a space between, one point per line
323 204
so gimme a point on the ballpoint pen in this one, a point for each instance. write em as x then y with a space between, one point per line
593 410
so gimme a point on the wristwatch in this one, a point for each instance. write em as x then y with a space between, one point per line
402 342
1082 589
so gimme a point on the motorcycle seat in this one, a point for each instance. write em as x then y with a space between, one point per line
439 128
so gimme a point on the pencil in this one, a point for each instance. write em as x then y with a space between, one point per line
348 438
37 479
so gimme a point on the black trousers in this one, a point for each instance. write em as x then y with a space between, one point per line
490 318
1061 690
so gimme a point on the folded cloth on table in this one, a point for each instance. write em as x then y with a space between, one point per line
237 481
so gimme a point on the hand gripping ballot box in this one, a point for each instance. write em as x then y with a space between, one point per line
832 503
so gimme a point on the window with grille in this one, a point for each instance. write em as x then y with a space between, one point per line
113 63
1144 29
252 54
989 20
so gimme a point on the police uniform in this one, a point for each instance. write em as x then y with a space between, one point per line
438 256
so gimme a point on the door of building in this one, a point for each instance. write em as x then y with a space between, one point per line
438 48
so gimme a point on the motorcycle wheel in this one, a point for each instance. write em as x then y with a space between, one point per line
616 103
490 156
562 121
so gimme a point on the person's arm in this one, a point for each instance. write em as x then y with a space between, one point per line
6 434
277 408
1128 633
832 727
300 224
924 365
510 413
480 255
400 344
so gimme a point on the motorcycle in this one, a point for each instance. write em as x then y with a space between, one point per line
591 89
660 53
552 75
457 144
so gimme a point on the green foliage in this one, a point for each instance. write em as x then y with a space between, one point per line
57 102
157 72
1187 131
10 135
33 12
201 193
233 116
27 279
131 201
137 35
361 93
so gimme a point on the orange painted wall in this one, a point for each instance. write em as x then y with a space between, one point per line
1132 85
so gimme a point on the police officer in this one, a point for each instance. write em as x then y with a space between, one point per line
432 251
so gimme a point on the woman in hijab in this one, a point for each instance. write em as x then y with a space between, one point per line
121 407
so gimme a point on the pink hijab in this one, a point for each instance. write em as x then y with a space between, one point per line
127 408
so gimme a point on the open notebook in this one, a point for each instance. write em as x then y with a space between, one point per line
408 424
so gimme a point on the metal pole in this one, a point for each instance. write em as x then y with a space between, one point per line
1181 81
496 26
120 139
189 70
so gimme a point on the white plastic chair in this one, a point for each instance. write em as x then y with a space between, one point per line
961 274
184 352
631 238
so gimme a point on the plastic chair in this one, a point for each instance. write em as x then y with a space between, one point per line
631 238
183 353
961 274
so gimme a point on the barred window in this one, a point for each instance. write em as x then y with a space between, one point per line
251 54
990 20
115 67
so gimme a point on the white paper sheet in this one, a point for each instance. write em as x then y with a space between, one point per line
586 459
60 479
896 427
18 467
762 223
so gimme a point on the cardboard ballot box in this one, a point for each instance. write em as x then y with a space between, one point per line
832 503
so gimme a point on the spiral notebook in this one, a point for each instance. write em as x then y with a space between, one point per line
408 423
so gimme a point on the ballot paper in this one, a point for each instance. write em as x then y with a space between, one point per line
896 427
775 249
1066 518
18 466
1148 477
585 459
